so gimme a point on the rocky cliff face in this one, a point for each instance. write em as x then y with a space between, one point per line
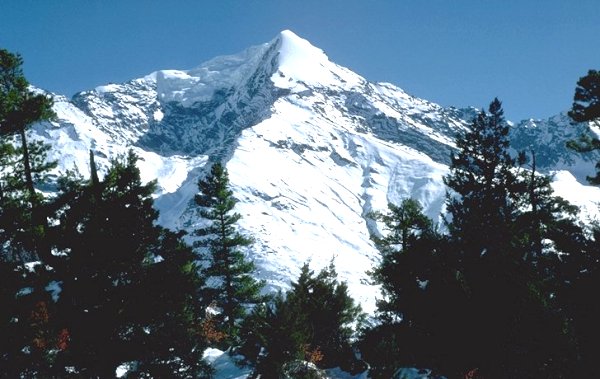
310 146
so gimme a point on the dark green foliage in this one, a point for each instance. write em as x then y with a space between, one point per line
26 319
23 165
29 337
586 107
586 102
579 274
23 236
424 295
328 312
279 330
404 224
19 108
406 263
167 308
578 277
480 182
389 346
11 309
543 221
313 323
499 221
483 298
130 288
10 283
232 286
14 214
584 144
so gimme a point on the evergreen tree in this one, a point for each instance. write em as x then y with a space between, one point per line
23 165
420 311
484 298
580 273
313 323
586 107
22 239
480 182
507 295
404 224
13 211
274 334
545 223
129 287
408 240
586 102
329 313
578 276
168 311
27 310
229 272
19 108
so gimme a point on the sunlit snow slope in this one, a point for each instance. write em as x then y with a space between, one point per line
310 146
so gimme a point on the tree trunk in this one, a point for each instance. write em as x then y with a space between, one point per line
27 167
229 307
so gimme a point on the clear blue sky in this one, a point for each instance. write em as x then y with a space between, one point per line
453 52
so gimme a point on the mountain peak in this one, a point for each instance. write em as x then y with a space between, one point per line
294 48
290 61
299 62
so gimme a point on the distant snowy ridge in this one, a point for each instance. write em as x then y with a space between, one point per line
311 149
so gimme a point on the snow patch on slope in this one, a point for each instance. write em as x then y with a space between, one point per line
201 83
74 134
586 197
224 365
311 188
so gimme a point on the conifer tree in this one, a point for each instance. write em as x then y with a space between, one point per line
229 272
274 334
580 273
419 312
480 182
483 298
19 108
578 277
23 164
586 107
586 102
507 295
545 223
26 330
407 245
313 322
404 223
329 313
130 288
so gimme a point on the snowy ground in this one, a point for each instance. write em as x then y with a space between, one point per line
226 368
224 365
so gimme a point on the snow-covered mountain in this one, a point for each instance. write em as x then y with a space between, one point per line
311 149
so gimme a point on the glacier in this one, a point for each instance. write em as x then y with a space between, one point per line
311 148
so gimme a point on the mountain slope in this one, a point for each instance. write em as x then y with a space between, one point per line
311 149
